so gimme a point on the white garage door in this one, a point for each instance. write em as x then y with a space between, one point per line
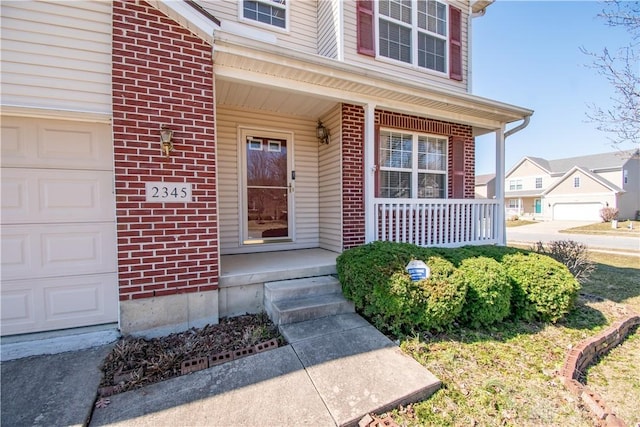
58 225
577 211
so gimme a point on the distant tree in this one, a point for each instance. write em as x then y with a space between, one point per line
621 67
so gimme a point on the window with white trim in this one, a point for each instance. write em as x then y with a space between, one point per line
514 203
271 12
414 31
576 182
515 184
412 165
625 175
538 182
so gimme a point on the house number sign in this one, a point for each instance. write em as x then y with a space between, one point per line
168 192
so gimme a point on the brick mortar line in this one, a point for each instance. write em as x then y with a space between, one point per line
583 355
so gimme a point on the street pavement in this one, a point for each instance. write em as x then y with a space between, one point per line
550 230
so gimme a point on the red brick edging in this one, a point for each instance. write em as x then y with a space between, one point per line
583 355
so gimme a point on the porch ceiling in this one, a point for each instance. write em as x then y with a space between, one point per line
261 76
281 102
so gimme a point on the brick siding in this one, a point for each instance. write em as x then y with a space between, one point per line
353 231
163 75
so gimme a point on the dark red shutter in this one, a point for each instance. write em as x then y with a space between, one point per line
376 160
455 43
457 174
366 32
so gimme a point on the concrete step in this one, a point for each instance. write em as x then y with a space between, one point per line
301 288
314 307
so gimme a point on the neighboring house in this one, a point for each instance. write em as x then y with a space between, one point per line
486 186
575 188
144 142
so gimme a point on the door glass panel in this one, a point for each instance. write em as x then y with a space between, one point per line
267 189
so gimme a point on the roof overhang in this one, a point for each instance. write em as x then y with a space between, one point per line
191 16
253 62
606 184
523 193
479 6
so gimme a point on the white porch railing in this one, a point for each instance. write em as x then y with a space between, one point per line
437 222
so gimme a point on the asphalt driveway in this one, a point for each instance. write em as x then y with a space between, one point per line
550 230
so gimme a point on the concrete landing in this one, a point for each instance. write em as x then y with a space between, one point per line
335 371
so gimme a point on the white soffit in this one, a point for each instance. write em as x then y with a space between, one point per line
323 77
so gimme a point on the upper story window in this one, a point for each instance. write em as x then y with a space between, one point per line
413 32
625 176
538 182
271 12
515 184
412 165
576 182
424 33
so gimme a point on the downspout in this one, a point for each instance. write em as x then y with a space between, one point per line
524 124
501 137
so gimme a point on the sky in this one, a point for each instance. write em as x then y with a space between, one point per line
527 53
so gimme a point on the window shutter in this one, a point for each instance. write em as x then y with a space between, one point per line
376 161
455 43
366 36
458 172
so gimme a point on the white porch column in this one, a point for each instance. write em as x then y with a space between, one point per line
369 171
500 172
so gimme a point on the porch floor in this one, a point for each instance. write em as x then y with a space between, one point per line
246 269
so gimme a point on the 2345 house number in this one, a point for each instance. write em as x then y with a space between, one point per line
168 192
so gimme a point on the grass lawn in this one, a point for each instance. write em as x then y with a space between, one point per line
605 228
507 375
616 377
519 223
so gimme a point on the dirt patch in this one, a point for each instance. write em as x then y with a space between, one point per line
137 362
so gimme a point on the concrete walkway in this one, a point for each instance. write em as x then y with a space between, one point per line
334 371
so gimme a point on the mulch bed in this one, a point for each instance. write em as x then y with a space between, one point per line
136 362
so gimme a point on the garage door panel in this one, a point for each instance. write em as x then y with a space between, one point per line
16 253
64 302
58 250
15 138
51 195
34 142
58 240
577 211
18 307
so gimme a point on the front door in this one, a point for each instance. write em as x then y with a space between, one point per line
538 206
268 188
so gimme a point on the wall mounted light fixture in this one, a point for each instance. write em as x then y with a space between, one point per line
322 133
165 138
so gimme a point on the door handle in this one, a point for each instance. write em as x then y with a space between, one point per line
291 188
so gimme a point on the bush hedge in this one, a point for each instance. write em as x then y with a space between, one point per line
477 285
488 298
543 288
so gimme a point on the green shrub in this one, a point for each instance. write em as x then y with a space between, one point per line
373 276
362 268
488 291
440 297
573 254
543 288
402 306
457 255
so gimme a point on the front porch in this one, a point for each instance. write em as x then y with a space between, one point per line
438 222
242 276
426 222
